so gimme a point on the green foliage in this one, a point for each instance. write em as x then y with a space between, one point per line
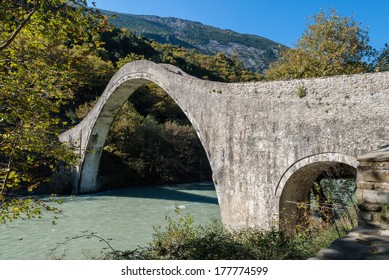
216 68
153 100
301 91
331 45
382 60
333 202
46 56
181 239
119 43
151 151
123 46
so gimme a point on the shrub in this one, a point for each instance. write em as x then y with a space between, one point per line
181 239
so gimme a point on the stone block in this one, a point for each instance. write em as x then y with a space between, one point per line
359 195
370 207
365 216
365 185
384 233
373 196
368 165
374 176
382 186
380 155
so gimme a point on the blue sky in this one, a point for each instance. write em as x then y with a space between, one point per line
280 20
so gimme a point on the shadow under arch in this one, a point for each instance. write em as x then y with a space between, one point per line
152 142
93 130
296 183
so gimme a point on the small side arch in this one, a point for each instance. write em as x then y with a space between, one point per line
295 184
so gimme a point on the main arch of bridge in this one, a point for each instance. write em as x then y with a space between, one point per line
257 136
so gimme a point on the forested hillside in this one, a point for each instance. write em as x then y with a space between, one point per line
255 52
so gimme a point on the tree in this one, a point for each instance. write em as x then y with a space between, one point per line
46 56
382 60
331 45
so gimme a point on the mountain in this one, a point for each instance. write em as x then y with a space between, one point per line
255 52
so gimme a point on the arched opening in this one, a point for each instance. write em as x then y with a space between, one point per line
89 136
151 141
320 192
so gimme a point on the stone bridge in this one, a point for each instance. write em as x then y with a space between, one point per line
267 142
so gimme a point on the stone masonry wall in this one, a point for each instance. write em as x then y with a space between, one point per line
373 188
256 135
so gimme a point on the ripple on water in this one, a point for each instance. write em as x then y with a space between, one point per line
125 215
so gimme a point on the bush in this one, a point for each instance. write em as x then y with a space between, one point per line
181 239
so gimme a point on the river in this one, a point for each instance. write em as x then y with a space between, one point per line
126 216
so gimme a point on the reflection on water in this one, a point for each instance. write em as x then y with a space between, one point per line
125 215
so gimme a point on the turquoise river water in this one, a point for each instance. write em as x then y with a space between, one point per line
126 216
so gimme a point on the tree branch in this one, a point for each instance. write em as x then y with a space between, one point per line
21 26
5 182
